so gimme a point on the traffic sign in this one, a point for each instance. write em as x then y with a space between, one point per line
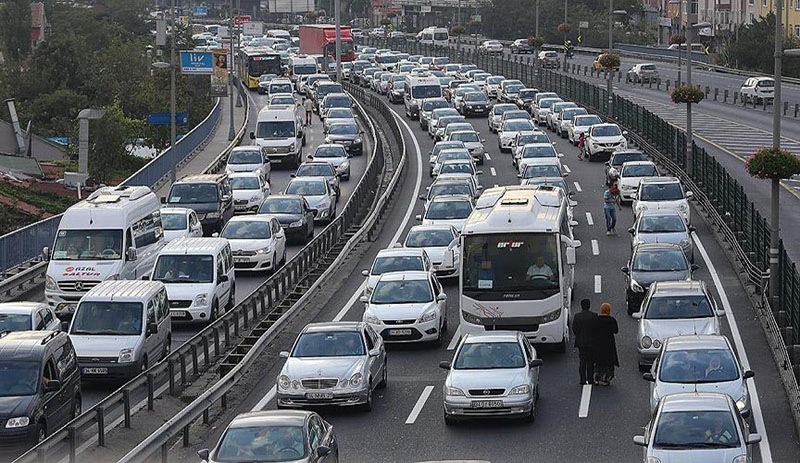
200 11
238 20
583 25
197 62
164 118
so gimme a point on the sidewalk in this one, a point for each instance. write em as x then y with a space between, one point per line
215 145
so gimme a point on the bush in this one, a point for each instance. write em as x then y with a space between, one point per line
535 41
385 22
458 29
676 39
563 28
686 94
772 163
609 61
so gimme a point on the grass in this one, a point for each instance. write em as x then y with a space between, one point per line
47 202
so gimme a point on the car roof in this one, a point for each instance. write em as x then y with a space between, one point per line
251 218
285 196
656 247
26 344
491 336
404 275
660 179
695 401
310 178
660 213
448 198
696 342
678 288
332 326
254 173
175 210
328 145
638 163
246 147
270 418
431 227
22 307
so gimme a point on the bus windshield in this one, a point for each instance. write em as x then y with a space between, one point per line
426 91
264 64
88 245
301 69
525 263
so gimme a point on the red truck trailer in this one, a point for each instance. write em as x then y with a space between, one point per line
320 39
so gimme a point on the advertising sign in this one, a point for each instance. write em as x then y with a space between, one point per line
254 28
200 11
239 20
197 62
219 78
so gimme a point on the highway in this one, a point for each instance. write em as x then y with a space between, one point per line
406 423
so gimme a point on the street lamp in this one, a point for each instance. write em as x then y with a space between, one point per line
689 31
680 23
231 128
609 84
172 126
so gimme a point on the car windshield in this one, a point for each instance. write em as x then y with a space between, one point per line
452 154
330 152
475 96
275 129
429 238
329 344
659 261
343 129
457 168
523 140
281 100
281 206
430 105
556 183
639 170
315 170
444 145
547 102
402 292
337 102
245 183
662 224
698 366
173 222
766 83
648 67
385 264
262 443
512 115
678 307
686 430
526 94
267 77
569 113
15 322
245 157
186 268
426 91
489 356
514 88
444 112
107 319
584 121
300 69
541 170
339 113
307 188
19 378
280 88
661 192
88 245
449 189
466 137
517 125
193 193
539 152
254 230
606 131
447 210
494 80
621 158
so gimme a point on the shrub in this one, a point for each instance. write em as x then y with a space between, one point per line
772 163
609 61
535 41
385 22
675 39
458 29
686 94
563 28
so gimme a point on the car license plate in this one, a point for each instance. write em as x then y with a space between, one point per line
487 404
241 260
400 332
95 371
240 208
179 313
319 395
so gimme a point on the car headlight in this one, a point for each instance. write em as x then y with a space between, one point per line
738 459
429 315
646 342
519 390
453 391
656 343
201 300
357 141
742 402
18 422
685 243
255 198
298 223
292 147
641 207
355 380
295 384
369 317
657 460
551 316
636 287
125 356
212 215
470 318
345 165
283 382
50 283
265 250
683 208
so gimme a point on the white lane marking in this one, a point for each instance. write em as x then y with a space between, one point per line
566 168
586 396
456 338
412 417
598 284
265 400
494 172
496 185
578 187
758 417
350 302
589 219
486 155
595 248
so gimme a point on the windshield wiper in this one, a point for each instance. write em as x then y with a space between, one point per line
672 445
711 445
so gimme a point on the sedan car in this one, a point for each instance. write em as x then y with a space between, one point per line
492 88
474 104
546 168
496 115
631 174
549 59
564 119
180 222
472 141
642 72
335 154
448 155
332 363
532 153
525 97
702 363
651 262
521 46
27 316
509 93
319 194
697 427
441 244
441 146
347 134
663 227
524 138
436 114
447 210
427 107
618 158
338 116
320 169
581 124
248 159
263 82
275 435
541 110
491 46
249 190
508 131
451 186
282 100
662 193
493 374
396 259
294 214
406 307
459 166
604 139
258 242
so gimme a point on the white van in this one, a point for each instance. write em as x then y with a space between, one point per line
114 234
418 88
301 66
279 34
280 134
121 328
198 274
437 36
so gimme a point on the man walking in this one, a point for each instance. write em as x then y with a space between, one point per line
583 325
308 105
610 206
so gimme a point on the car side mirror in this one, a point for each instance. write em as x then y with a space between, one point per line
323 451
640 441
152 328
284 354
570 256
692 228
636 315
649 377
535 363
720 312
441 297
753 438
364 299
163 200
45 253
252 135
222 279
519 175
203 453
375 352
309 157
748 374
131 254
215 235
478 172
689 194
624 133
421 197
365 273
65 327
625 270
561 155
444 365
418 218
299 134
483 140
52 385
695 267
572 203
632 230
635 195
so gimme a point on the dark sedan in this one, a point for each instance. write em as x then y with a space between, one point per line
651 262
293 213
347 134
521 46
619 157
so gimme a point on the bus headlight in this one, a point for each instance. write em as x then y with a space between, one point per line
551 316
470 318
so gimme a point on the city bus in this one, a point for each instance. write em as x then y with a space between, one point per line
253 62
518 264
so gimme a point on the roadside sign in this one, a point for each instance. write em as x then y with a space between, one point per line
197 62
239 20
164 118
200 11
583 24
253 28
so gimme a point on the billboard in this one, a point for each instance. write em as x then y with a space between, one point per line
219 78
291 6
197 62
254 28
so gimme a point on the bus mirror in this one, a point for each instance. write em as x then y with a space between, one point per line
45 253
449 259
570 256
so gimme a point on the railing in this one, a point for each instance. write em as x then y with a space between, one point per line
215 341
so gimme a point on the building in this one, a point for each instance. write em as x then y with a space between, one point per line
791 14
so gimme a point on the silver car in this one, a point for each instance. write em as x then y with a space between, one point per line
493 374
441 244
674 308
699 363
318 193
496 115
332 363
663 227
697 428
335 154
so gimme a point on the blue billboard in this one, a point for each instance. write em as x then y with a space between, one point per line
200 11
197 62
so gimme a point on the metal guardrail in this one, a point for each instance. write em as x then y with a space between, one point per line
159 440
206 347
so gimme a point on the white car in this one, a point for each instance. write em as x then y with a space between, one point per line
249 190
662 193
258 243
631 174
249 159
493 85
436 114
541 110
407 307
604 139
555 110
454 154
459 166
335 154
319 194
179 222
581 125
472 141
495 118
396 260
564 120
533 153
441 244
282 101
508 131
491 46
523 138
447 210
27 316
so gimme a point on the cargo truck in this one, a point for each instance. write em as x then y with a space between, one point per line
318 39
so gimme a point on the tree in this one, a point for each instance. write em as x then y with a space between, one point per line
755 49
107 156
15 28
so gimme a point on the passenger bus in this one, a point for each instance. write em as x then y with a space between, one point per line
253 62
518 264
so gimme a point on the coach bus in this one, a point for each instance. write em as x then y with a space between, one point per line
253 62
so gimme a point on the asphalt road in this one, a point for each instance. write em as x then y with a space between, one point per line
406 423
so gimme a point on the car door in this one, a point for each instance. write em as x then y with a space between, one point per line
152 341
195 227
280 237
533 373
379 362
51 323
56 403
37 320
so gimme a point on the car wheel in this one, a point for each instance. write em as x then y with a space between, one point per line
41 433
214 311
145 364
77 407
367 407
449 420
232 298
167 347
283 259
384 376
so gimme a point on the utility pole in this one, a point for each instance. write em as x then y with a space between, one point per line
173 132
777 105
337 5
231 128
610 83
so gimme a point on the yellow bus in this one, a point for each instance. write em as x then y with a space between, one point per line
253 62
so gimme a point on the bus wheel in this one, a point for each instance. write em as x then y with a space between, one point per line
561 347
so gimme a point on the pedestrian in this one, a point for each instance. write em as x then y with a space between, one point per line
308 105
583 326
605 346
610 206
581 145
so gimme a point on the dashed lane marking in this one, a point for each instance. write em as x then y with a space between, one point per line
589 219
578 187
486 155
456 338
566 168
494 172
412 417
586 396
598 284
595 248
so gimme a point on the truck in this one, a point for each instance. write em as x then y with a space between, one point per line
321 39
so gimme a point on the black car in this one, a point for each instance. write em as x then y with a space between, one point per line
651 262
618 158
525 97
293 213
40 386
521 46
347 134
209 195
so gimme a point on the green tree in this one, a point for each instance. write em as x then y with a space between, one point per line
755 49
15 28
107 157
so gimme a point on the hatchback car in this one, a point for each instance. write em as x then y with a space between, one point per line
249 190
545 168
449 155
532 153
493 374
275 435
604 139
27 316
549 59
320 169
436 114
525 97
651 262
541 110
180 222
496 115
427 107
335 154
447 210
493 86
472 141
474 104
338 116
248 159
451 186
258 242
581 124
521 46
441 244
509 130
294 214
630 174
523 138
702 363
663 227
642 72
564 120
332 363
618 158
459 166
674 308
662 193
758 89
319 194
347 134
491 46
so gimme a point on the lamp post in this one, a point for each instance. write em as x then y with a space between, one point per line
680 24
231 127
172 66
689 31
610 83
338 19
